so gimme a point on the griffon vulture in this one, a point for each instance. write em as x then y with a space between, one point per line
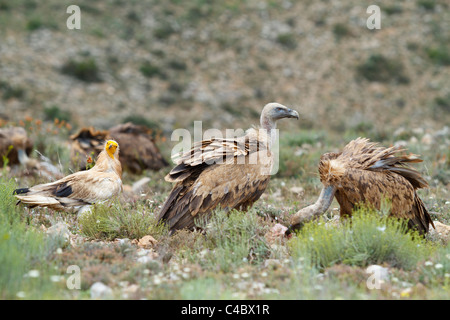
230 173
138 149
76 192
366 173
14 145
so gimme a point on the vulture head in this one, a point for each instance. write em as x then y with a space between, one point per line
273 112
111 147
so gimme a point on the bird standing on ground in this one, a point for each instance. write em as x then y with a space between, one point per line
230 173
365 173
78 191
139 151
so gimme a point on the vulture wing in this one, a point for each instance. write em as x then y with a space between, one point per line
366 173
216 172
79 189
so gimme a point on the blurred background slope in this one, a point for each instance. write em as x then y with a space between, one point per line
168 63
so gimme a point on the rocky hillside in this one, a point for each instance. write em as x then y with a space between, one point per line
168 63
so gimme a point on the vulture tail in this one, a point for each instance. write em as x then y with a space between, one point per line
421 219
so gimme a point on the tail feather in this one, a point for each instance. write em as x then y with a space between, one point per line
39 200
421 219
21 191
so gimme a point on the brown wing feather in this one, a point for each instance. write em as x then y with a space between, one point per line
203 183
365 173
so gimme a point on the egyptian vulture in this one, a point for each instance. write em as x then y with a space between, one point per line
87 142
366 173
14 145
138 149
76 192
230 173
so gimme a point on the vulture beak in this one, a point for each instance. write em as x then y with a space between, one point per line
292 114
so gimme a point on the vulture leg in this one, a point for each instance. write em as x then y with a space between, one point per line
314 210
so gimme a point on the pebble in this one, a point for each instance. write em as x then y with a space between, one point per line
101 291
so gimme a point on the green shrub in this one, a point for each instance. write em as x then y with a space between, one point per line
427 4
439 55
164 31
54 112
393 9
149 70
233 239
143 121
287 40
341 30
177 65
113 221
34 24
443 103
84 70
23 249
10 91
367 238
379 68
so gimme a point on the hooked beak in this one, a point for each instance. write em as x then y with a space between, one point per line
292 114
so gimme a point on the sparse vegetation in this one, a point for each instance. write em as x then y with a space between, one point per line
108 222
149 70
379 68
287 40
54 112
341 30
368 238
166 64
11 92
84 70
439 55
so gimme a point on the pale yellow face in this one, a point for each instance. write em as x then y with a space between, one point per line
111 147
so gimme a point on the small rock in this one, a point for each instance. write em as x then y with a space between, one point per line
60 229
297 190
101 291
400 144
441 231
400 131
272 263
139 185
276 233
147 242
427 139
413 140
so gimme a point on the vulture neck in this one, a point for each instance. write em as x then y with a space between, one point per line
105 163
270 126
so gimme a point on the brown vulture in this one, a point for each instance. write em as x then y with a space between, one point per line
77 191
366 173
14 145
225 173
138 149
